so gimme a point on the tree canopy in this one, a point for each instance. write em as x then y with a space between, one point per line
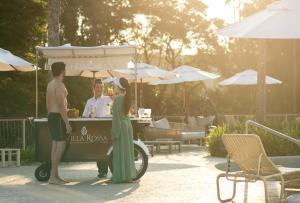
163 32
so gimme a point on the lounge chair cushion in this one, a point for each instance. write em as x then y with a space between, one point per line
192 123
203 121
162 123
192 135
293 198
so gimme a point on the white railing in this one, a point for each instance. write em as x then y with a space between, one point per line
285 117
239 117
15 133
270 130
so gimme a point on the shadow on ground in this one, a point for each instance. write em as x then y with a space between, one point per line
153 167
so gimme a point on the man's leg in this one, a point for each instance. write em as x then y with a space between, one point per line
102 168
53 175
59 150
61 146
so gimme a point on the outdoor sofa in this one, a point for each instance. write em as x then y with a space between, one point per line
163 129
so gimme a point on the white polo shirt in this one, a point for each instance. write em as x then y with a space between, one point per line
101 104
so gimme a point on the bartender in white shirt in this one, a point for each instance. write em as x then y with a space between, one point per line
98 105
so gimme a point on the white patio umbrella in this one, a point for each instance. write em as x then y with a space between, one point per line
96 74
145 73
277 21
186 74
247 77
112 79
10 62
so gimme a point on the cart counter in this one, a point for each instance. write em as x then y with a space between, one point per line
90 139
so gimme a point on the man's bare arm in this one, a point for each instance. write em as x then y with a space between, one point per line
48 99
47 102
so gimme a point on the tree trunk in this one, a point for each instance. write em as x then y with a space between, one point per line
53 22
261 83
53 26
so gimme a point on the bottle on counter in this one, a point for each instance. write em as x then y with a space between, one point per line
109 108
93 112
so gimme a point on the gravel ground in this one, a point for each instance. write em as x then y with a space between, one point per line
179 177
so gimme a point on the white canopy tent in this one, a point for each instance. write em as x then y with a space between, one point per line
89 58
79 59
10 62
247 77
277 21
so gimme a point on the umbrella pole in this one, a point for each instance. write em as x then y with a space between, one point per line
141 93
185 103
261 83
294 47
94 77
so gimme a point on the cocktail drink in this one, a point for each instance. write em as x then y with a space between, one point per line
110 92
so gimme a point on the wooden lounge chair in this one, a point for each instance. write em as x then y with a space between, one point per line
247 151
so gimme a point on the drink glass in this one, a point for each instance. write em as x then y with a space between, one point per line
110 92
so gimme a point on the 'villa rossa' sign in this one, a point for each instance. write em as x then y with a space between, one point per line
86 137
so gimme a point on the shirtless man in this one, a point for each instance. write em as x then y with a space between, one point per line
56 99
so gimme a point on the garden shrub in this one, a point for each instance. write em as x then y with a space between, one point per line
214 142
28 155
274 145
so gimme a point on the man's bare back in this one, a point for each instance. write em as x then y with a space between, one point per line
56 93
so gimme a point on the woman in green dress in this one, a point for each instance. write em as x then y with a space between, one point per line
122 135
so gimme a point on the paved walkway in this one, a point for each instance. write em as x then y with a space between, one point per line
180 178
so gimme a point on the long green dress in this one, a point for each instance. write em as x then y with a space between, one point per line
123 150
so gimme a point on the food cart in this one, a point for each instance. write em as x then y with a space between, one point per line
91 137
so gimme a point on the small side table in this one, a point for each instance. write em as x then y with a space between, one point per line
9 153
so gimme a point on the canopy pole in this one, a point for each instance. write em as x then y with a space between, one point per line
135 91
36 85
